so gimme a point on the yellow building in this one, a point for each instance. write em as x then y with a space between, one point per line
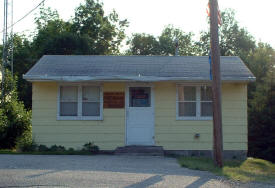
117 101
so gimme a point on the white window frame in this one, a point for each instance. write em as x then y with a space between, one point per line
79 103
198 103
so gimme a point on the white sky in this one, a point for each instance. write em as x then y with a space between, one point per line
150 16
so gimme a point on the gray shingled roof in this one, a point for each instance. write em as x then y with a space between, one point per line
135 68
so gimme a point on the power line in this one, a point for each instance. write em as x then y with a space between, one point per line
25 15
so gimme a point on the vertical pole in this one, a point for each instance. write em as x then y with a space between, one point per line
216 85
4 52
12 46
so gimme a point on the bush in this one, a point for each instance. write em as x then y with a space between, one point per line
42 148
90 147
18 124
15 120
71 149
3 125
25 144
57 148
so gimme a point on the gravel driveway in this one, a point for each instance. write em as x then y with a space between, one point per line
103 171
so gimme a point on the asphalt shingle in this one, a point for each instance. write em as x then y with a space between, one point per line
146 68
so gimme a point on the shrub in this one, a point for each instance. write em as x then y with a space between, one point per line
3 125
71 149
18 124
42 147
57 148
15 120
90 147
25 143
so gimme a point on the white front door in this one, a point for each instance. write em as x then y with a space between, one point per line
139 116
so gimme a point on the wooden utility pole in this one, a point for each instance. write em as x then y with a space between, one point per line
216 85
4 51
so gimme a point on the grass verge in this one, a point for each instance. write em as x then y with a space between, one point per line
47 152
251 169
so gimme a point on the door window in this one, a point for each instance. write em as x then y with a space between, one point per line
140 97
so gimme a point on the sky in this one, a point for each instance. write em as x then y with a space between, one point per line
151 16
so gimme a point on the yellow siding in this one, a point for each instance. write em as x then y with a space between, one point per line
110 132
179 134
107 134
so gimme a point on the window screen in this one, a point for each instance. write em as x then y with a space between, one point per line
206 101
90 101
68 101
187 101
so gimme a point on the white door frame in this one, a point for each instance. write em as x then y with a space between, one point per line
128 85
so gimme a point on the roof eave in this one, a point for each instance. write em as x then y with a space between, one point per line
128 78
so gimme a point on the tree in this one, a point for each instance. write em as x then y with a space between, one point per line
66 43
23 61
15 121
167 41
165 44
53 35
261 116
234 40
261 61
104 32
143 44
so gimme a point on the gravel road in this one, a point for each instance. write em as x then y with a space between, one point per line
104 171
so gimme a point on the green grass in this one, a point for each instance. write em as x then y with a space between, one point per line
46 152
252 169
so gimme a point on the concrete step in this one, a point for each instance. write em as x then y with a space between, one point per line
140 150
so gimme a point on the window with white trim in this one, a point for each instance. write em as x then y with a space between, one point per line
194 102
80 102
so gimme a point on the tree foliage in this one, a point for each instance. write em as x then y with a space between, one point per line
143 44
165 44
261 116
23 61
168 38
54 36
104 32
234 40
15 120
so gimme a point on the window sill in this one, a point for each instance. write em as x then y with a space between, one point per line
82 118
194 118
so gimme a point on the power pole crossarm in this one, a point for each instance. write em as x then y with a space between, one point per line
216 85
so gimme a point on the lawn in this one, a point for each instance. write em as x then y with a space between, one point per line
251 169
